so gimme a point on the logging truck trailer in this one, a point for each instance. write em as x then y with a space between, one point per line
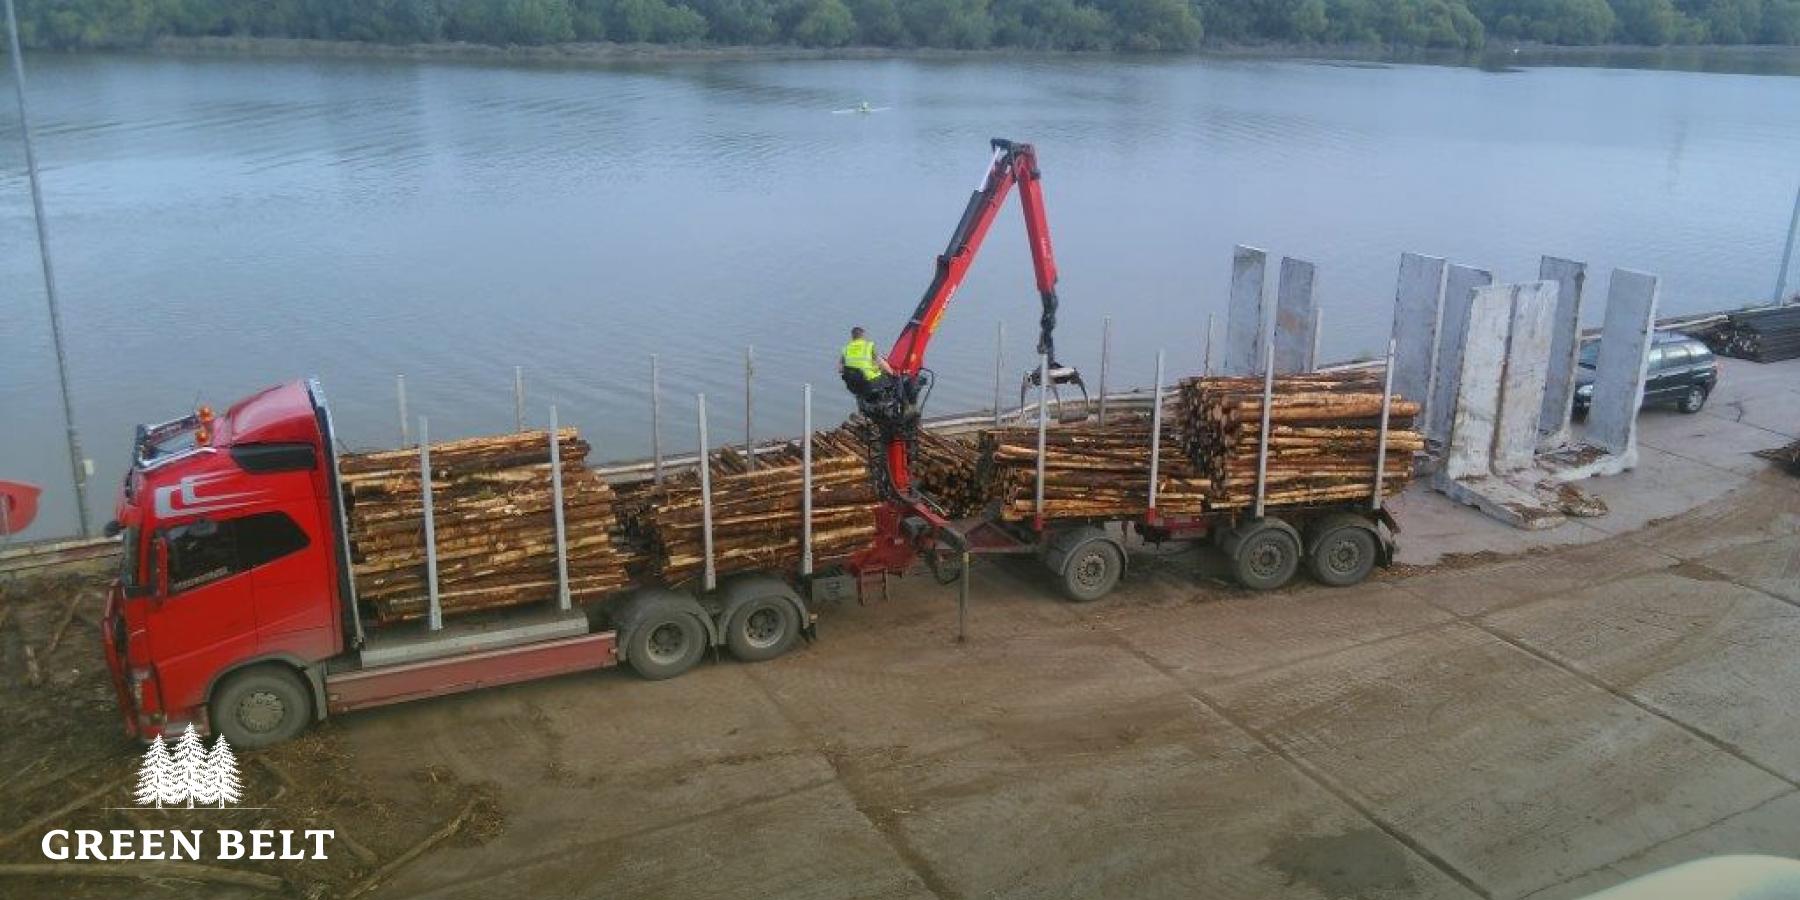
235 609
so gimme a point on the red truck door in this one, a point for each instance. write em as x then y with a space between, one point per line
205 618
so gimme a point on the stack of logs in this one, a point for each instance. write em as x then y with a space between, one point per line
948 471
1323 432
1788 457
756 512
492 512
1090 471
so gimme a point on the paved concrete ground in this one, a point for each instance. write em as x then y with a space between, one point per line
1535 726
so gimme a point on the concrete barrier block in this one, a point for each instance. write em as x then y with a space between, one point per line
1460 283
1529 339
1620 367
1475 407
1294 307
1565 349
1418 304
1246 319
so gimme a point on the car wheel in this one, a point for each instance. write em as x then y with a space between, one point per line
1691 401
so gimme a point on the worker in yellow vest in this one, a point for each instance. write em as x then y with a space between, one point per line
861 365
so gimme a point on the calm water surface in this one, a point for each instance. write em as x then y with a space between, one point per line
220 225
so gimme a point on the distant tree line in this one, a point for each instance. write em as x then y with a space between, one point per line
1146 25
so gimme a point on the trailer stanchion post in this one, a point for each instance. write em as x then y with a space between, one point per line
1156 430
706 525
1312 359
1381 435
962 601
1268 401
656 421
749 409
556 499
434 612
400 394
1105 358
999 363
806 482
518 398
1206 359
1043 430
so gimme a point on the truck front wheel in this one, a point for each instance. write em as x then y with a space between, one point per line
261 706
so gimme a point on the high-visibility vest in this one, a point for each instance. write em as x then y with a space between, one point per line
859 354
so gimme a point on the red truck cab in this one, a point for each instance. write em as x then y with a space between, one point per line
235 573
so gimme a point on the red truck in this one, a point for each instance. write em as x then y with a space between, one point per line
235 610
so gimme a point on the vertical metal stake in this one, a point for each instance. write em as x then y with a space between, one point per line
1206 361
400 393
556 498
1268 401
1043 429
434 613
1156 430
1787 249
999 362
77 462
656 420
1312 361
1387 395
962 601
518 398
1105 357
749 408
806 482
706 531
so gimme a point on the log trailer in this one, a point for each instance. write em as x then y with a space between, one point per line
235 609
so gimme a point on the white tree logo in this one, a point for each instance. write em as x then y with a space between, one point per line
191 775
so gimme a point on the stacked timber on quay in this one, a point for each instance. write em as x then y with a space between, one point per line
1091 471
1324 431
493 516
1762 335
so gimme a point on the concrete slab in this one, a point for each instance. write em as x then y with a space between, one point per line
1565 348
1713 655
1529 339
1473 402
1294 308
1518 774
1772 828
1757 511
1246 319
1418 306
1460 283
1660 486
1631 301
1715 442
1477 589
1772 566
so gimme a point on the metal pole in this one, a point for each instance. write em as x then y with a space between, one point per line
518 398
1105 354
706 531
806 488
434 613
556 498
1043 430
1268 400
656 419
1156 431
1312 361
400 393
749 426
962 601
1387 394
1206 361
999 362
77 462
1787 249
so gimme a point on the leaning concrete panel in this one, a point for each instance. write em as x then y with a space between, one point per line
1418 303
1294 320
1565 348
1245 320
1534 305
1481 365
1624 353
1460 283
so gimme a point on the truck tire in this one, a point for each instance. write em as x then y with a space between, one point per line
665 637
762 628
261 706
1342 550
1264 554
1087 563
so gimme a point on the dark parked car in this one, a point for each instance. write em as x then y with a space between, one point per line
1681 371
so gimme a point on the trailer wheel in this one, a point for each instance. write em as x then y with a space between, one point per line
1087 563
1264 554
261 706
1342 551
665 640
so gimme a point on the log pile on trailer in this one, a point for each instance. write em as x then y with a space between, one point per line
1323 433
493 517
1091 471
949 471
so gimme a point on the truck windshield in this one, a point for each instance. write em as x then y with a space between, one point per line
129 568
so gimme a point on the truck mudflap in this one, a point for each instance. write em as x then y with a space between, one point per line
362 688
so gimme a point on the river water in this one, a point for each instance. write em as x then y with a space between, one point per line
223 224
